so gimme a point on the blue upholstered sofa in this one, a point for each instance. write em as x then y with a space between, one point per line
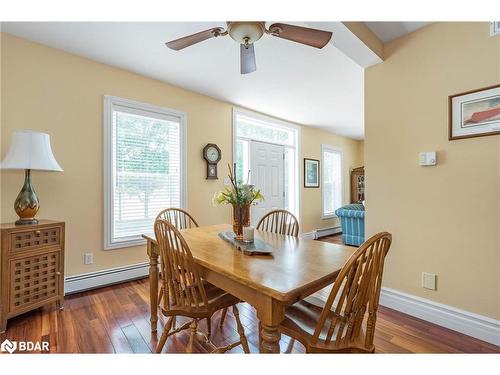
352 220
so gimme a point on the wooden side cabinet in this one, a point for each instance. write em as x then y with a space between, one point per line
32 267
358 185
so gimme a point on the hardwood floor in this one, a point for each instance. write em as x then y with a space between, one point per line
115 319
335 238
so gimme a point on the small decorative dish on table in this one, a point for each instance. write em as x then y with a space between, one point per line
257 247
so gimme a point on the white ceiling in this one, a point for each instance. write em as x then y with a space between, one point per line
322 88
388 31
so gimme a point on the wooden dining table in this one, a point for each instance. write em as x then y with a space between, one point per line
296 269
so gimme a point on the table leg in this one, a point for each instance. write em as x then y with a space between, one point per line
270 317
3 324
260 337
153 285
270 339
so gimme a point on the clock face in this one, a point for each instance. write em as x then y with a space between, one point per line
212 154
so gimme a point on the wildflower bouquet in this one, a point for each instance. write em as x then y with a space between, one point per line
241 197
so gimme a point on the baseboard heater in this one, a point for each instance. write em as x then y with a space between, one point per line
318 233
98 279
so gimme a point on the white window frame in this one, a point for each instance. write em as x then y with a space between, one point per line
277 123
109 103
327 148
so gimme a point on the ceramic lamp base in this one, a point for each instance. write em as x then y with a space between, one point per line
26 221
26 204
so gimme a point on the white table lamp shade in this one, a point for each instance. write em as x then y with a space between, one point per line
30 150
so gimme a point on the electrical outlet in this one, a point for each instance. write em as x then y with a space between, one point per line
429 280
88 258
227 181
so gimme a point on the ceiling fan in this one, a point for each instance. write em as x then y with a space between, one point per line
247 33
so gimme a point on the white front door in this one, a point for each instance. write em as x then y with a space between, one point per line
266 173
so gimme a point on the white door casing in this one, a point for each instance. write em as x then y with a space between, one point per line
267 174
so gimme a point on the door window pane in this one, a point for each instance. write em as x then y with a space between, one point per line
259 131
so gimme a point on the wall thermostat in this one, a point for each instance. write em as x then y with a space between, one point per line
428 158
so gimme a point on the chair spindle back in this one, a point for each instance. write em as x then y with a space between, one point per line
178 217
280 222
179 274
355 290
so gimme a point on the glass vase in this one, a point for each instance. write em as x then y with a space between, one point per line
241 218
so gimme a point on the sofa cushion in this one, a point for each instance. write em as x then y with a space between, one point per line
351 210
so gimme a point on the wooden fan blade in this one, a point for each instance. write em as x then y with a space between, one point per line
311 37
189 40
247 59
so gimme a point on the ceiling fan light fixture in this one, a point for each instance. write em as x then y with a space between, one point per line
275 30
246 32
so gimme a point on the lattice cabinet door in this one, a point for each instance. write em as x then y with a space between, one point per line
34 279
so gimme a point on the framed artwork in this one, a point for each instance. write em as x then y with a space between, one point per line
474 113
311 173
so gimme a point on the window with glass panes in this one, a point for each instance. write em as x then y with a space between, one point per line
332 180
144 171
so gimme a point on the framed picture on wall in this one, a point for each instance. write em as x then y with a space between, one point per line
311 173
474 113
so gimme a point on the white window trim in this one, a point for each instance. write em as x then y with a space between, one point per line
109 102
280 124
339 151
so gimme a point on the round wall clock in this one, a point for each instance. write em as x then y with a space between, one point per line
212 155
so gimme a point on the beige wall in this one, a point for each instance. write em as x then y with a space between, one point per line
361 153
62 94
444 219
312 139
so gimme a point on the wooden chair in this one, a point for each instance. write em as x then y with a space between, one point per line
189 295
177 217
280 222
181 219
351 305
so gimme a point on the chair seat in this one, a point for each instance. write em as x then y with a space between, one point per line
300 323
302 318
217 299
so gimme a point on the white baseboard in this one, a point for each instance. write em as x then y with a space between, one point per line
471 324
92 280
318 233
328 231
468 323
309 235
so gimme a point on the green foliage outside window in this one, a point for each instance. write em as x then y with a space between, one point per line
142 157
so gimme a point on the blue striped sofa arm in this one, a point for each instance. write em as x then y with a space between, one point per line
352 220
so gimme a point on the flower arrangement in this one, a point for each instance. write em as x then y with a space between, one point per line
241 197
239 193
